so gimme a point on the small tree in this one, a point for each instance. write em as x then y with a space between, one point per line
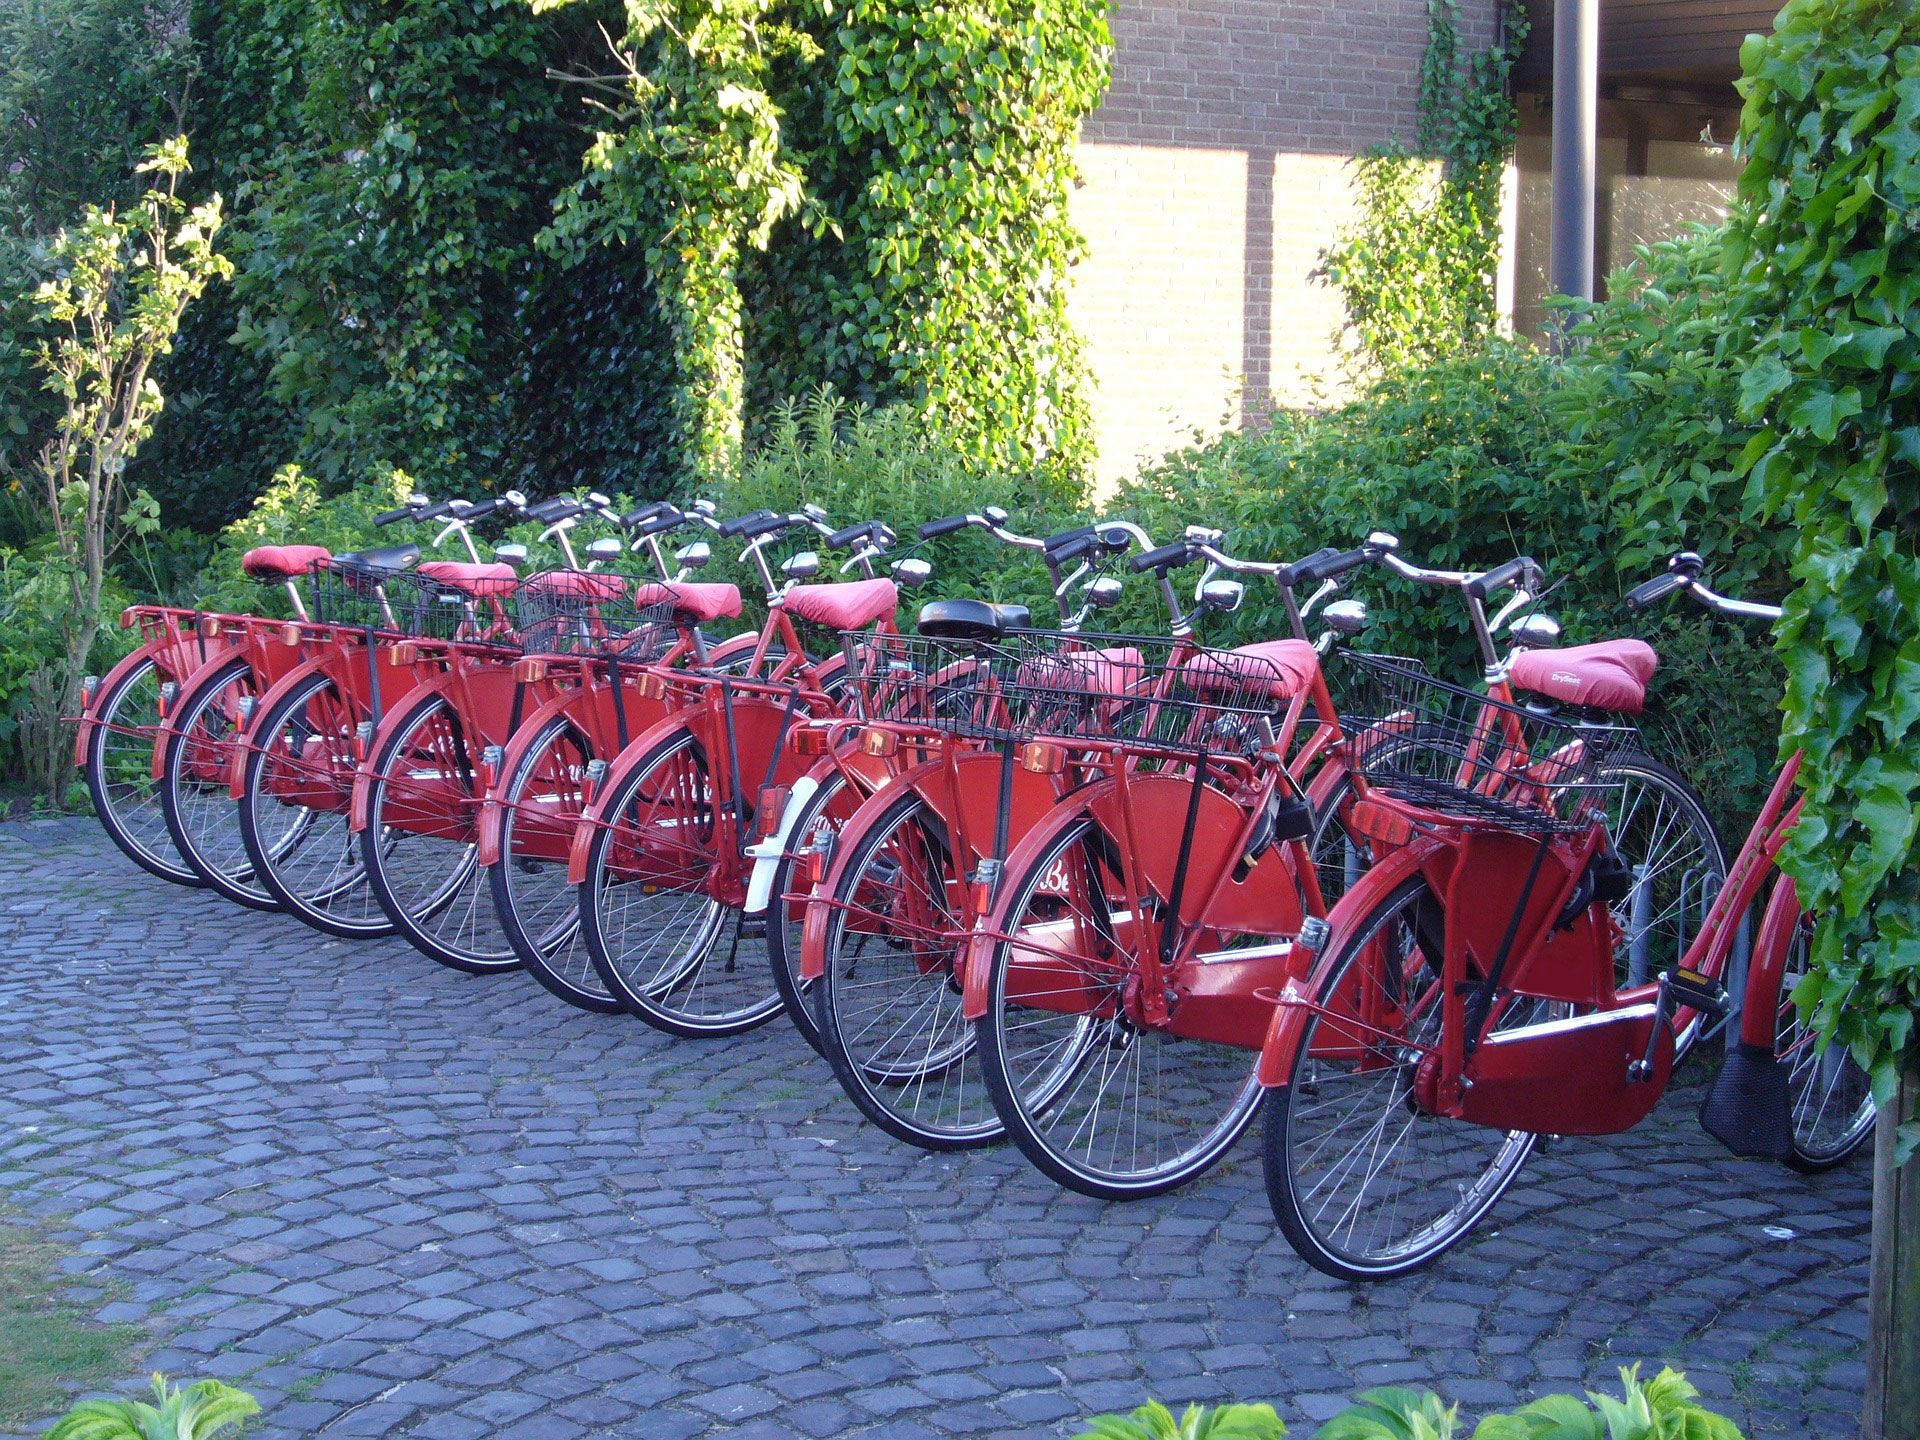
123 283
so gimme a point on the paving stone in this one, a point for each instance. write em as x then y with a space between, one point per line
400 1200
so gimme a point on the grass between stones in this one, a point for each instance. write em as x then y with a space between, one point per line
48 1346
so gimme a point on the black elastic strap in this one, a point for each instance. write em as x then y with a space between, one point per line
519 704
780 740
619 700
1169 929
733 764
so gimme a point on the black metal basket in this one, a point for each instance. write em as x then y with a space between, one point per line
570 612
1457 751
1150 693
404 602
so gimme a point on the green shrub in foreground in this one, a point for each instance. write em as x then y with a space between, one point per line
200 1411
1662 1408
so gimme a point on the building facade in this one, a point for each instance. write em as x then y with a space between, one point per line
1219 167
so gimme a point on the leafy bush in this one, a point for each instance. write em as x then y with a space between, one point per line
1662 1408
199 1412
1153 1421
1600 467
1827 257
293 510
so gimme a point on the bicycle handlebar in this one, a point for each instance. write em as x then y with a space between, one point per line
934 529
1328 564
1501 576
1683 573
390 517
1164 558
760 522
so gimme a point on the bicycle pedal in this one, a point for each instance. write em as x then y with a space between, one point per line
1697 992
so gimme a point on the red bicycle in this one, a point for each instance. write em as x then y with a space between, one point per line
1467 1000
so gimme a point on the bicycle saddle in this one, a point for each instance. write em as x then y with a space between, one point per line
388 557
702 601
283 562
846 605
474 580
971 619
1611 675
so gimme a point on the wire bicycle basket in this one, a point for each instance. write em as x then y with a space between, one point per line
404 602
1457 751
573 612
1148 693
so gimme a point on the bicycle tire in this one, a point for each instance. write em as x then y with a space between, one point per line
311 863
537 907
431 885
202 815
119 774
935 1096
1080 1110
676 988
1289 1112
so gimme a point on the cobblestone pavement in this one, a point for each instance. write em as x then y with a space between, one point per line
393 1199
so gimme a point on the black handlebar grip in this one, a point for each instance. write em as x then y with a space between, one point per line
1315 568
482 509
1167 557
643 514
934 529
434 512
669 518
389 517
1072 550
1647 592
757 523
557 508
1481 586
1066 537
1297 572
841 539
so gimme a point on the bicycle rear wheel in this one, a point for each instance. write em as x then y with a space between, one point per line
421 845
1363 1182
293 813
195 793
1098 1100
119 770
673 953
888 1001
542 801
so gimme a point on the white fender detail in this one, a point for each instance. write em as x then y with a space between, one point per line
766 854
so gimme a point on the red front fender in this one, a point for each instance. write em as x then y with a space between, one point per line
1289 1021
595 814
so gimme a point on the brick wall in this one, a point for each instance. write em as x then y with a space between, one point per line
1216 171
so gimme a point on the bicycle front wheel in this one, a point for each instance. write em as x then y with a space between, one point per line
119 768
888 1001
195 795
1828 1095
1661 829
1096 1098
542 801
673 953
421 846
293 814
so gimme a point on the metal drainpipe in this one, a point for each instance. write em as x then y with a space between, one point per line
1576 117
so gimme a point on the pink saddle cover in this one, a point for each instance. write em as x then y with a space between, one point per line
845 606
700 601
1610 675
283 562
580 585
476 580
1283 667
